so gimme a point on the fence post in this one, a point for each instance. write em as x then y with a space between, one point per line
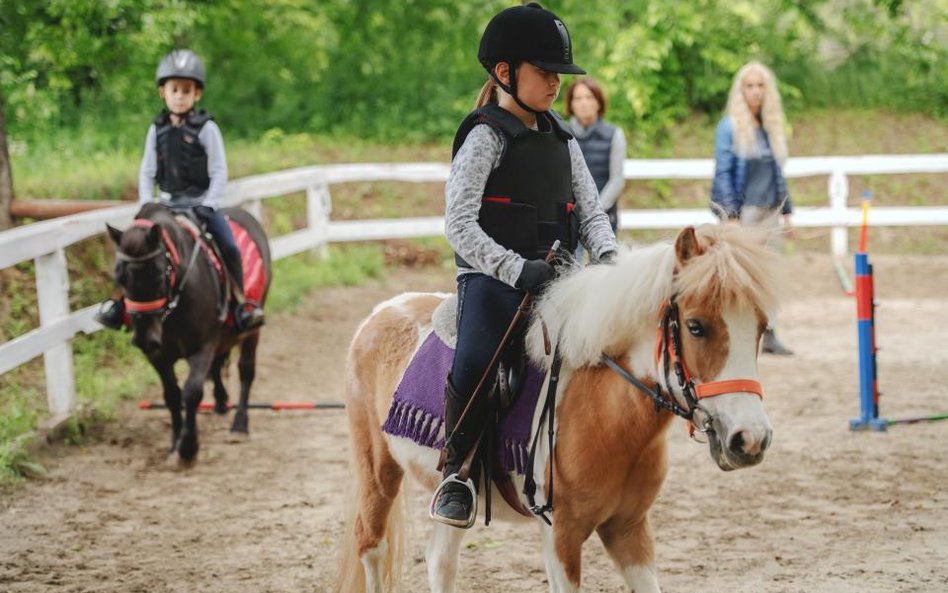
52 287
318 208
838 188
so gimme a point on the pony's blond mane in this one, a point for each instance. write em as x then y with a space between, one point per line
745 142
611 308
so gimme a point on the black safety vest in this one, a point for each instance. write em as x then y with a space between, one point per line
528 198
596 145
182 160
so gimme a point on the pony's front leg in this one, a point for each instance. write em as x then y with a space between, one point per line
220 390
172 396
247 367
441 557
562 553
631 546
198 366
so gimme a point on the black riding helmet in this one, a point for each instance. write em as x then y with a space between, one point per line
181 63
526 34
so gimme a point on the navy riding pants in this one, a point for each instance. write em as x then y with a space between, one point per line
485 308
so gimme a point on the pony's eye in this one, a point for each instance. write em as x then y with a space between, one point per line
695 328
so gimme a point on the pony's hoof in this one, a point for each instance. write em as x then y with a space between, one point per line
238 436
221 408
188 449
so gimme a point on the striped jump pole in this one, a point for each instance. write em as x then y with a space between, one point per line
865 319
276 406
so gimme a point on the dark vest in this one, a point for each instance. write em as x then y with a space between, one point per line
182 160
529 196
596 145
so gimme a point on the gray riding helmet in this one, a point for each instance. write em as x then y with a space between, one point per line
180 63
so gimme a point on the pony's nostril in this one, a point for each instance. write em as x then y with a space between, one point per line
768 437
736 443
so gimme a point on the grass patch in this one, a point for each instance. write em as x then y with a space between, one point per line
295 277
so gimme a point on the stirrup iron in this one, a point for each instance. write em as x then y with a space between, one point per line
472 516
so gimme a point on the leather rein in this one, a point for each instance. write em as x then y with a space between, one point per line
668 357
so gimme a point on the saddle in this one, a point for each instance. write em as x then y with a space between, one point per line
196 227
254 272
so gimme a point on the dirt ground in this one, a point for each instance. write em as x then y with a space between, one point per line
829 510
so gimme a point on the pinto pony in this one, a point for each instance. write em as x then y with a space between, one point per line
709 295
176 298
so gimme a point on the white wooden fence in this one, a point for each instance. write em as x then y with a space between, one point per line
44 242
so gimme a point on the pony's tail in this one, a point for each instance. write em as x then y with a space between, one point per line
375 487
351 573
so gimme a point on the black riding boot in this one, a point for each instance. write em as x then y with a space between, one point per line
455 503
111 313
247 315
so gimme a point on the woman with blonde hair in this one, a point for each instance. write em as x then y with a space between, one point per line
750 149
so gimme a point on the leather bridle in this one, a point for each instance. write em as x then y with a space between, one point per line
668 358
166 302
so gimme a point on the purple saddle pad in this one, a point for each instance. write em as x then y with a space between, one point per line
417 410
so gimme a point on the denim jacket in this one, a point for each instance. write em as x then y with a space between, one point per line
730 175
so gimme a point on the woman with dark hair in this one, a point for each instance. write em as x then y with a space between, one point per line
602 143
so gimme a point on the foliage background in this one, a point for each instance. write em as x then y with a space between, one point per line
406 70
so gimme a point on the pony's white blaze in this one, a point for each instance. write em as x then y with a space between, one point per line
740 413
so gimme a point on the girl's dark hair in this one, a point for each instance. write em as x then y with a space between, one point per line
593 86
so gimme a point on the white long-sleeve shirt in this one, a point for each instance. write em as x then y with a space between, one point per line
213 143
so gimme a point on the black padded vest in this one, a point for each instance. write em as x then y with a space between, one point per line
528 198
182 160
596 145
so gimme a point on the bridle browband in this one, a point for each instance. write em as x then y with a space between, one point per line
165 304
668 357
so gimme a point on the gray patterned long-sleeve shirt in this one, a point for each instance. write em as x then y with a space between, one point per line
477 158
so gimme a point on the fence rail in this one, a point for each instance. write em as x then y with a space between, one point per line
45 242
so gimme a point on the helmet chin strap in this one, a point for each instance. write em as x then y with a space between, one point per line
511 89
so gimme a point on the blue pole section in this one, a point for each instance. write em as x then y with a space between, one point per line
864 318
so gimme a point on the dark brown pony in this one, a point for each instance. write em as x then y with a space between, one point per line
177 304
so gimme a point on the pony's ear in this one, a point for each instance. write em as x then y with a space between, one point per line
115 234
154 234
687 246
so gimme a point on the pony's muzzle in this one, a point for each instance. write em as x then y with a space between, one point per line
147 336
747 447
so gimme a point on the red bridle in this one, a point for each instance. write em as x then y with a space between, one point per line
160 304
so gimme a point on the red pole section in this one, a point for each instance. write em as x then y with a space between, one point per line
276 406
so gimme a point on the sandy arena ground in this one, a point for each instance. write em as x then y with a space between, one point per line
828 511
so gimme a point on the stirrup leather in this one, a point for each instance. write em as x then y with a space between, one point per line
472 516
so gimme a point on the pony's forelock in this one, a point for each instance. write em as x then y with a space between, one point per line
736 269
609 308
